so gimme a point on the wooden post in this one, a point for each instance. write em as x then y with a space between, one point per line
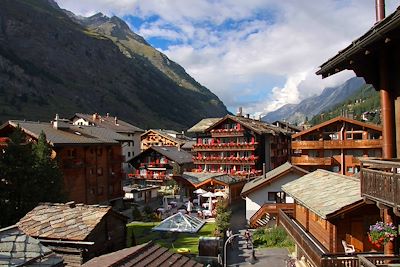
388 218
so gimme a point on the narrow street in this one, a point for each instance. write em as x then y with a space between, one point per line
239 255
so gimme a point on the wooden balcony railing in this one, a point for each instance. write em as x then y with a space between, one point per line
271 208
380 181
226 147
336 144
227 132
320 257
306 160
225 160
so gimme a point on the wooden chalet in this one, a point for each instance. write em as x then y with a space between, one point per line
130 148
212 182
336 145
155 137
157 164
375 57
148 254
328 210
18 249
89 157
76 232
264 194
239 146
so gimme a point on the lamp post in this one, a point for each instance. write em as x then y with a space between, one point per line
252 259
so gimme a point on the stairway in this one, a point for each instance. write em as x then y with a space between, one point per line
263 221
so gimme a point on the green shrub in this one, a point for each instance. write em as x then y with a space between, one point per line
272 237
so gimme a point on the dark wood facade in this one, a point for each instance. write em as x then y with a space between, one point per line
233 146
336 145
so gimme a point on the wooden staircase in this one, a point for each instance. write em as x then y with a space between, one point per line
267 211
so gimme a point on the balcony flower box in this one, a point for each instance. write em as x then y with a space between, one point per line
381 233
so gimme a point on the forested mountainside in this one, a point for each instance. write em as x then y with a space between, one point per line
54 62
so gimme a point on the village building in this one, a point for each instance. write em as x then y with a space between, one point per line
18 249
239 145
147 254
375 57
130 148
89 157
230 185
288 126
157 164
159 137
141 193
336 145
329 214
77 232
264 194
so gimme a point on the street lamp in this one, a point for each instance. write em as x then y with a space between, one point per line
252 259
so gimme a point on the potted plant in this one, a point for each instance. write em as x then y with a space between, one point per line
381 233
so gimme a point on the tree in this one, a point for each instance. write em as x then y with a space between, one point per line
28 175
223 217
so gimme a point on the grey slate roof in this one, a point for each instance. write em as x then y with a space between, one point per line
324 193
199 177
203 125
18 249
180 156
109 123
71 134
259 180
62 221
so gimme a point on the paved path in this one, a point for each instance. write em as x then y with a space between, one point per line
239 255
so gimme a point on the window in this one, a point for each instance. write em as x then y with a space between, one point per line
91 171
271 196
357 136
139 194
350 169
349 136
129 154
100 171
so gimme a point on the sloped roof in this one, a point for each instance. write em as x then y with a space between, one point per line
294 128
109 123
148 254
331 121
325 193
203 125
189 145
69 135
257 126
173 153
270 177
63 221
166 134
181 223
17 249
196 178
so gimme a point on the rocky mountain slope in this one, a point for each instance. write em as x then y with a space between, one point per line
331 96
52 61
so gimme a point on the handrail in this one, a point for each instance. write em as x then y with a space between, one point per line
272 208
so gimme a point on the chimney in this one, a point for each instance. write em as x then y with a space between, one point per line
108 114
116 120
71 204
239 114
264 172
60 123
379 10
95 116
248 116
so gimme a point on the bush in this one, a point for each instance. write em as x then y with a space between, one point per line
136 214
272 237
223 217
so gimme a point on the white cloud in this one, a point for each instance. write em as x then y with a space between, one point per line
267 59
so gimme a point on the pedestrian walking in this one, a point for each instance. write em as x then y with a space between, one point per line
247 237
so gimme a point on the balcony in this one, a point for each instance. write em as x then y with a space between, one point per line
315 161
337 144
225 147
320 257
226 160
227 132
380 181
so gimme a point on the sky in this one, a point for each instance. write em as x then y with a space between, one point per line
255 54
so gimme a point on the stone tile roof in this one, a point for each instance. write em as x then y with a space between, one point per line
109 123
203 125
269 176
17 249
325 193
199 177
68 221
148 254
70 134
167 134
173 153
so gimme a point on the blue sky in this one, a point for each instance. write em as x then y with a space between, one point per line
258 54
